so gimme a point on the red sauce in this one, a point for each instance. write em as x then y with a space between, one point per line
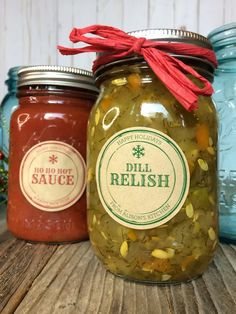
46 197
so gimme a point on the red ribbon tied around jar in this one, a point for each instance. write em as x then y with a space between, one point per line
170 70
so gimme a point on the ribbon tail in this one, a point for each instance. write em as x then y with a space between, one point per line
183 95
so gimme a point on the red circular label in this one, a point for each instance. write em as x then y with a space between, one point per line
52 176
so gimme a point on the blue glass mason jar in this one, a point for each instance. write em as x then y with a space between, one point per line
8 106
223 40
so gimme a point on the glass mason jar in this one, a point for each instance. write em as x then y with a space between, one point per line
8 106
223 40
152 192
47 173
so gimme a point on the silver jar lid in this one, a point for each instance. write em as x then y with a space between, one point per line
170 35
56 75
173 35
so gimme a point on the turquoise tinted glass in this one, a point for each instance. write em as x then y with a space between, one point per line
8 105
223 40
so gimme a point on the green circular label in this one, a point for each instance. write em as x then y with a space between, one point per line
142 177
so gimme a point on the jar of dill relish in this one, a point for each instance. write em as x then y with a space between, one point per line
152 183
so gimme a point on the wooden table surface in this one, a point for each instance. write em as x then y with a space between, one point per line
40 278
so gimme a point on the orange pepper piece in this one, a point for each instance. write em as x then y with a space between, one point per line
106 103
134 81
161 265
132 235
202 136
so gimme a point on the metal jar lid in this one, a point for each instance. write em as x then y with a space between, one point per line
57 76
171 35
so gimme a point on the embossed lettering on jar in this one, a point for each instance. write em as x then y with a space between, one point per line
47 174
152 203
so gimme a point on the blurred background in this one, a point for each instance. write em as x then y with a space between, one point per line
31 29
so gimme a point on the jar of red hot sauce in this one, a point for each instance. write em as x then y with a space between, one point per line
47 173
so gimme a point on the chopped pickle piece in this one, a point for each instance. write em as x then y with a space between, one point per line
97 116
104 236
197 252
196 215
90 174
94 219
92 131
211 199
196 227
214 244
211 150
124 249
189 210
171 252
134 81
212 234
210 141
165 277
132 235
160 254
168 253
203 164
119 81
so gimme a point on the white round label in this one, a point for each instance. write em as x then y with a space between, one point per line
52 176
142 177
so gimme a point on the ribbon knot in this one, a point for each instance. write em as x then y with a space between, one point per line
159 55
137 45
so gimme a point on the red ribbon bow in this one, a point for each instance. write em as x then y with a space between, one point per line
170 70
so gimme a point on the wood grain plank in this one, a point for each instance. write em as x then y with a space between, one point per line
185 15
49 291
135 15
9 250
227 272
161 14
178 300
14 50
130 298
153 302
84 14
44 32
68 301
229 11
74 281
97 288
203 297
166 302
20 264
218 290
86 290
27 32
141 299
230 254
64 27
189 297
110 12
210 15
